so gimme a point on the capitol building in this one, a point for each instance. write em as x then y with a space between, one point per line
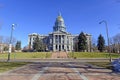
59 39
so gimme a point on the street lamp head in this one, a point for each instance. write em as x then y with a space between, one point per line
102 22
13 24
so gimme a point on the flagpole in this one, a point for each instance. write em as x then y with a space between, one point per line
10 43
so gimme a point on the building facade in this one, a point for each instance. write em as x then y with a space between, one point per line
3 47
59 39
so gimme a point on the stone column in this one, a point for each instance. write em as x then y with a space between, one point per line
54 48
58 43
65 42
32 41
72 42
29 41
61 43
69 43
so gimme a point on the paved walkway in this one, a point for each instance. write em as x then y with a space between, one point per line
60 71
59 55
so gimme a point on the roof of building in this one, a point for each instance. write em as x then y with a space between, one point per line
33 34
87 34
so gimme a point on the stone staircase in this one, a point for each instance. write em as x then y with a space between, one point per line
59 55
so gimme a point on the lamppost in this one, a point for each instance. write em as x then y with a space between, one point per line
105 22
10 43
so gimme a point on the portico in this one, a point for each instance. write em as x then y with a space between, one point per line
61 41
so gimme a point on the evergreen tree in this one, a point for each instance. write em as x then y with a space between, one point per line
82 44
101 43
38 44
18 45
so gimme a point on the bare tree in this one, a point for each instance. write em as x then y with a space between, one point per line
94 44
1 46
7 40
115 43
112 46
1 39
14 40
4 43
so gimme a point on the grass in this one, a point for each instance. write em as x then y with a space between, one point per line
30 55
6 66
101 64
26 55
92 55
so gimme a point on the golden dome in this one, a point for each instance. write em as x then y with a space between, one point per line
59 18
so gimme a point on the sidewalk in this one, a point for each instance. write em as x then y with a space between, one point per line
60 71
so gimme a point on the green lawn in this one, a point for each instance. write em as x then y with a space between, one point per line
26 55
101 64
92 55
5 66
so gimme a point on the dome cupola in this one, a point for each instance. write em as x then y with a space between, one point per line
59 18
59 24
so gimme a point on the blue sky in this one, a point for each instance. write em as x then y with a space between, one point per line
38 16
